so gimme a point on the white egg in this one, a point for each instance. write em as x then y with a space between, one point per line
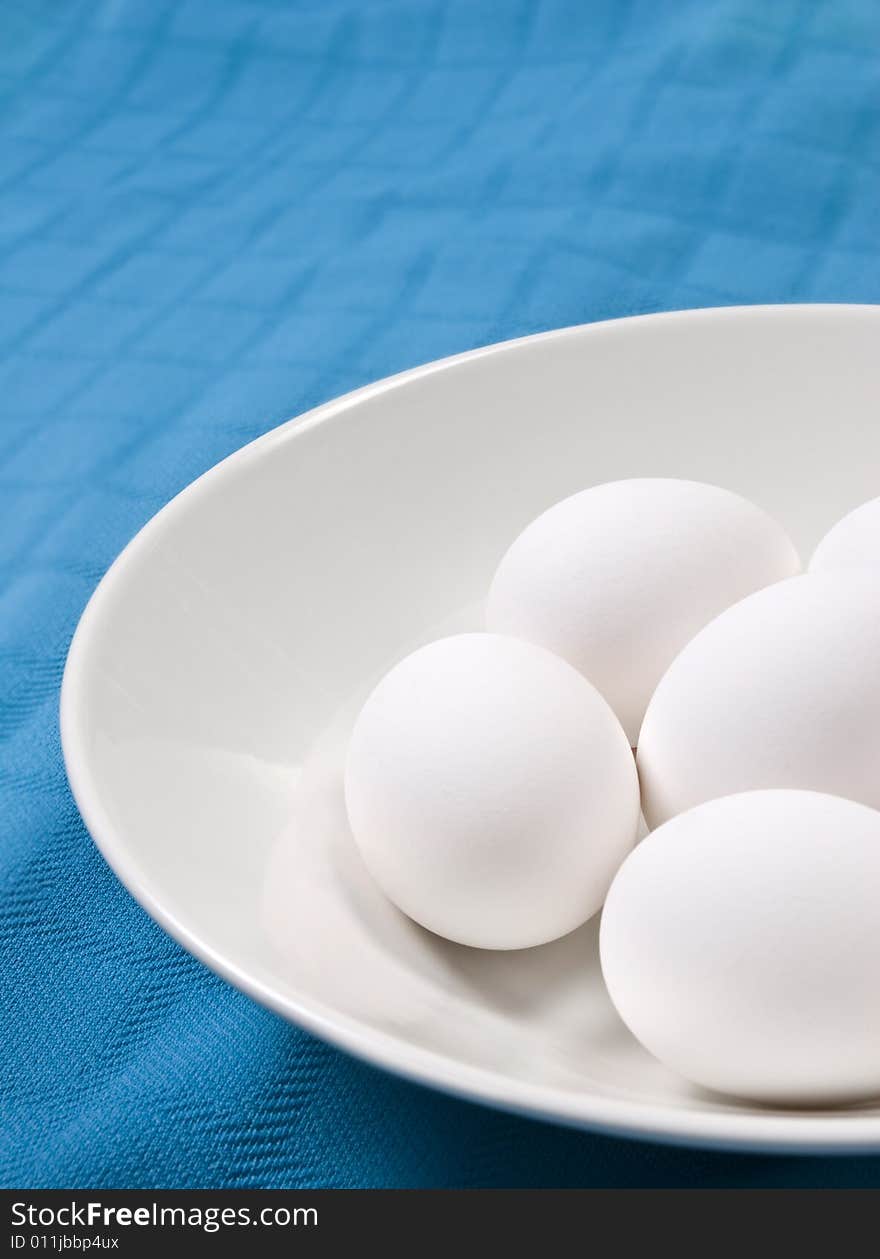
854 542
491 791
740 944
618 578
781 690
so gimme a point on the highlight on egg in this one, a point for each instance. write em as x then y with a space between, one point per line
617 579
781 690
853 543
491 791
740 943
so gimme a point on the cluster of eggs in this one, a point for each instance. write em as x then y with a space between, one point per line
493 792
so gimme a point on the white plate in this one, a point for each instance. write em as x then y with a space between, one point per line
213 677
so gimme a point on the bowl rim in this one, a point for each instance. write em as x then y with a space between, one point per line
801 1132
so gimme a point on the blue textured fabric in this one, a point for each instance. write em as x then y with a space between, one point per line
216 213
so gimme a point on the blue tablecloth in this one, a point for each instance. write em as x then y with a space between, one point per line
216 213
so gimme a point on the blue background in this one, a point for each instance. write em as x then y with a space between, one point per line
216 213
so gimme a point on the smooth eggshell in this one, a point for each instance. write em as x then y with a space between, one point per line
853 543
491 791
740 944
781 690
619 577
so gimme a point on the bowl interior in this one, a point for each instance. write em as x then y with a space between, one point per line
215 674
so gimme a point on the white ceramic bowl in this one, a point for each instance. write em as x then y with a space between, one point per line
215 673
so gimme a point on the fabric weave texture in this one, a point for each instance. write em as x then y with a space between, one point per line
218 213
